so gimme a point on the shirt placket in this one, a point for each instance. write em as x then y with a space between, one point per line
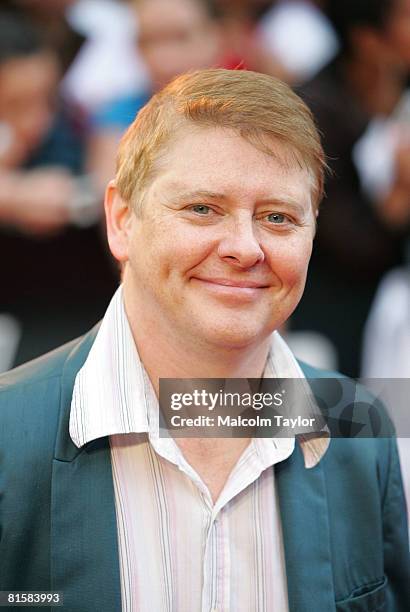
216 583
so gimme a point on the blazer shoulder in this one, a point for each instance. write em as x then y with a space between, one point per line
336 385
42 368
357 419
31 394
48 366
31 401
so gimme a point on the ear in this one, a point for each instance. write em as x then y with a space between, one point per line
119 216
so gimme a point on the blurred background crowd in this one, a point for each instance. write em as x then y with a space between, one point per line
73 74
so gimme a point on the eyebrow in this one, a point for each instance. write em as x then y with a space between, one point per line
198 194
288 203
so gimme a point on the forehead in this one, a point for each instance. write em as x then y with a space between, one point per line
221 161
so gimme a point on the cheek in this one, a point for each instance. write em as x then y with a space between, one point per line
186 244
169 250
289 262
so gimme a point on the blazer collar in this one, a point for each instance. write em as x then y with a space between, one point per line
65 450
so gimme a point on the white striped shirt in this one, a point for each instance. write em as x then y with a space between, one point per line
179 551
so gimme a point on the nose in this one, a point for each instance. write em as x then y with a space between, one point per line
240 246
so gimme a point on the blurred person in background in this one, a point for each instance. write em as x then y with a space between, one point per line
243 40
37 201
108 64
51 17
386 357
299 36
41 197
362 231
170 42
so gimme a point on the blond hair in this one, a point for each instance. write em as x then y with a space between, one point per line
259 107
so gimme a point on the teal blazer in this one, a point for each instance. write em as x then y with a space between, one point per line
344 521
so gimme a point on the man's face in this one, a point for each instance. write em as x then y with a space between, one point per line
175 37
28 89
218 254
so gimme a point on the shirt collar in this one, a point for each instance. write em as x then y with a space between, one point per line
113 394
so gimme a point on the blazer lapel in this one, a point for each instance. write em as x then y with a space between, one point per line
84 547
304 513
306 535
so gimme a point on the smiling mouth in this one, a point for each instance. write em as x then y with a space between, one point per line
236 290
224 282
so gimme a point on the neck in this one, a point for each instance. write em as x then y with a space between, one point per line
165 354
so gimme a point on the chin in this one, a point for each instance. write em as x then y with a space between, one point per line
232 337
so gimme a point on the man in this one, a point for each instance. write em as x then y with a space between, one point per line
212 217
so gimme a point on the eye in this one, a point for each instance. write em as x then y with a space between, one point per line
276 218
201 209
